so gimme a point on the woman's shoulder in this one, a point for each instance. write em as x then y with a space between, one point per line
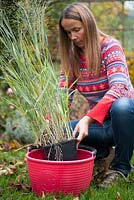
110 42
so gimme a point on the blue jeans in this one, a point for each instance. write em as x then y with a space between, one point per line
118 131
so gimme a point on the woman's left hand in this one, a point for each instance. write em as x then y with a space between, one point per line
82 128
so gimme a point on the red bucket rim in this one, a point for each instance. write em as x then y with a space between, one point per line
62 162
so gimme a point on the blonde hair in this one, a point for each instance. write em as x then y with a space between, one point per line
68 51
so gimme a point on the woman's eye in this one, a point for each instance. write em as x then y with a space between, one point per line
68 32
74 30
77 29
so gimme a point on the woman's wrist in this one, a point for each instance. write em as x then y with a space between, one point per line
88 119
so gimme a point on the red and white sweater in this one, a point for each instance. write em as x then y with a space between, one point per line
113 81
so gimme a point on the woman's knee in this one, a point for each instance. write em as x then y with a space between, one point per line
121 107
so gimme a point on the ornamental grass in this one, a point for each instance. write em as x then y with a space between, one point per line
31 74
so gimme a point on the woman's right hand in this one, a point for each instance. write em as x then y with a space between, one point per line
82 128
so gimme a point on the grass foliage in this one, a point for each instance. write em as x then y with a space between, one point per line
31 74
13 186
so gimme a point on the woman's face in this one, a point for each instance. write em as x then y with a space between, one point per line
75 31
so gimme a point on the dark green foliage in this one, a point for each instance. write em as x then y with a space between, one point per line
5 110
9 9
18 128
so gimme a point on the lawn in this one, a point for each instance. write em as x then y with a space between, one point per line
14 183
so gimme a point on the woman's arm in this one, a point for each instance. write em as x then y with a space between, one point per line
119 86
118 80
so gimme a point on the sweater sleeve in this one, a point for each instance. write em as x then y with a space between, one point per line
118 80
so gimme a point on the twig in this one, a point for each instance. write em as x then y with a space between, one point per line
28 145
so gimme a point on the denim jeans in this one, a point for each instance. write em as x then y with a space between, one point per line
118 131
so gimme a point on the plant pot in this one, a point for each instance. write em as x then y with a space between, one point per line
68 177
63 151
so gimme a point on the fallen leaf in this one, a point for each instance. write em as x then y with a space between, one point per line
20 186
6 171
25 186
42 194
12 167
118 196
14 144
18 179
19 163
76 198
4 146
1 166
2 172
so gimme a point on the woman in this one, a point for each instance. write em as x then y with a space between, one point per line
94 64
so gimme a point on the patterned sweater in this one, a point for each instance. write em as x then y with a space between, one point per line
112 83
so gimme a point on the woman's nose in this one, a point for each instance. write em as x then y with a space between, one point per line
73 36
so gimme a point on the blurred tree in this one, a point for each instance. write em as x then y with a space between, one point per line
109 16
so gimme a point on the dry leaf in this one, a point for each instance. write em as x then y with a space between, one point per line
12 167
2 172
19 184
6 146
76 198
42 194
18 179
14 144
1 166
6 171
118 196
19 163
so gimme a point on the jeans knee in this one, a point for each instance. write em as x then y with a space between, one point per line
121 107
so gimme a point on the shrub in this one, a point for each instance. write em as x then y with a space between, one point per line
130 63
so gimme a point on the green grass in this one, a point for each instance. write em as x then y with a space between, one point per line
13 187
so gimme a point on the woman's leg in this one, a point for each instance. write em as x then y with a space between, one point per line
122 117
99 136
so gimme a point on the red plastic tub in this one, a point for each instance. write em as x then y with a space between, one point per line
68 177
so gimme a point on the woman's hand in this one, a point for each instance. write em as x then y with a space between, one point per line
82 128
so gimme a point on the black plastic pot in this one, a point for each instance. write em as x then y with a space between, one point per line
65 151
